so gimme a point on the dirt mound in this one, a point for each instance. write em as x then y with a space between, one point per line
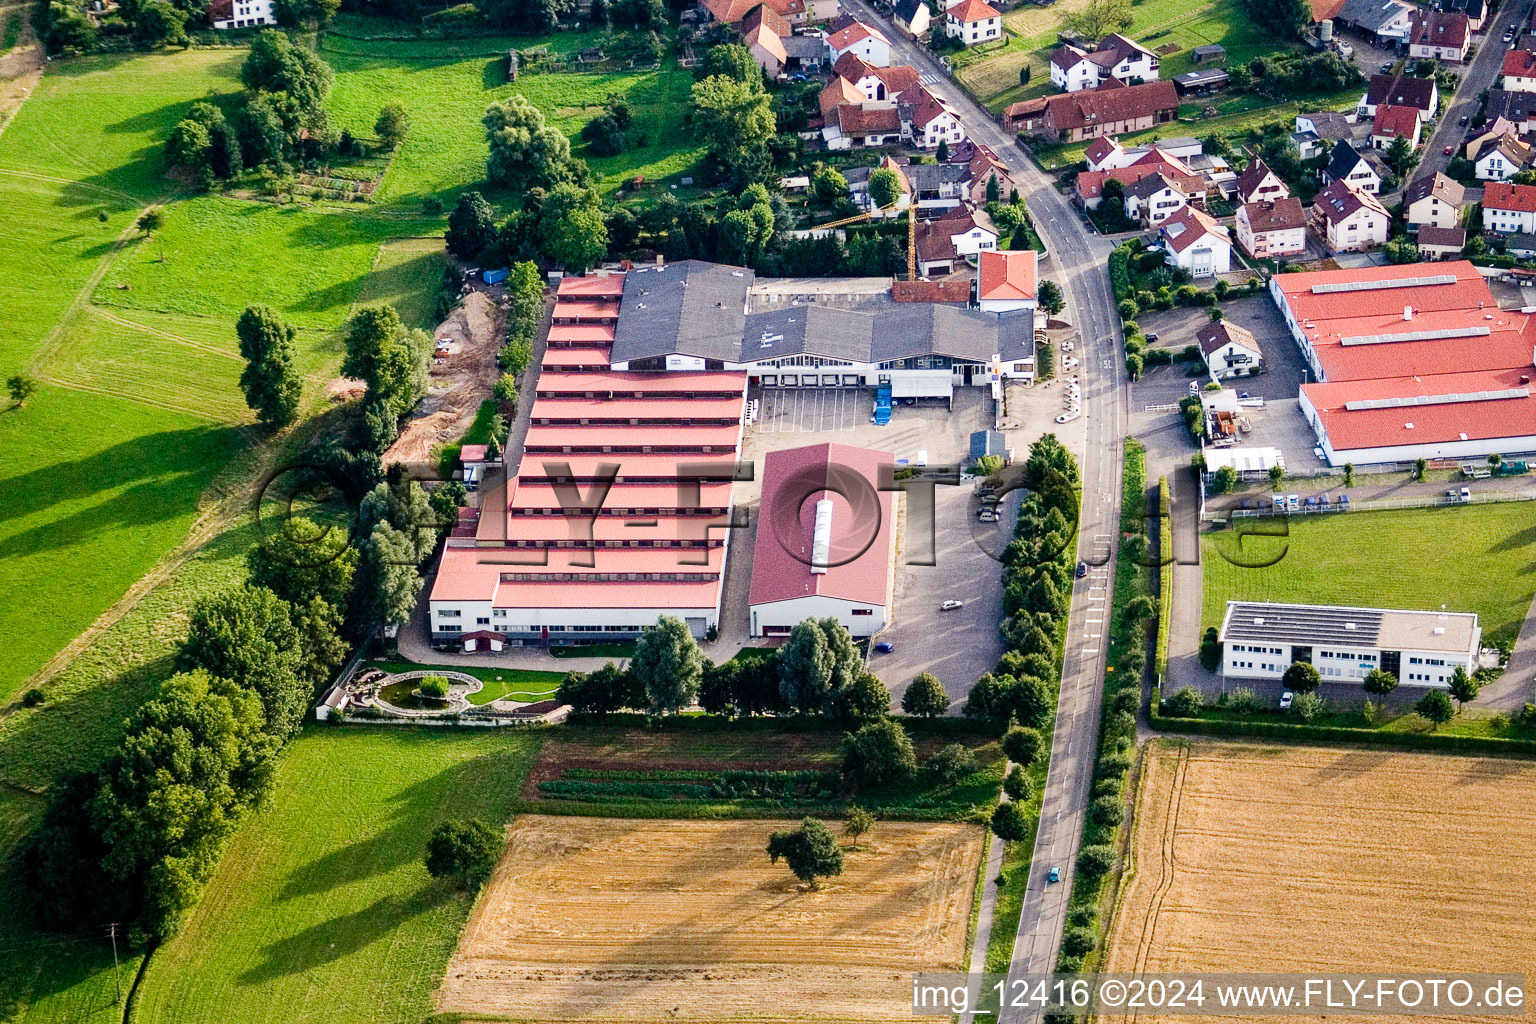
463 375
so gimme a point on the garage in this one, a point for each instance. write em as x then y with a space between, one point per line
940 384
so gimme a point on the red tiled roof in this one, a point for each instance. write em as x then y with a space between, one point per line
1252 177
581 334
1441 28
1066 56
859 557
473 453
967 11
835 94
1520 63
1006 275
858 120
585 309
1501 195
1339 202
677 384
717 438
730 11
764 36
1453 238
1279 215
1188 226
1214 335
1393 121
1440 423
925 106
1323 10
564 358
852 67
854 33
931 291
1109 103
898 78
1100 148
609 287
935 238
530 495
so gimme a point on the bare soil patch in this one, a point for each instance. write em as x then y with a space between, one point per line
635 920
1255 857
22 66
477 329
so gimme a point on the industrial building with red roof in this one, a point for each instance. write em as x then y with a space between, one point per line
1412 361
826 540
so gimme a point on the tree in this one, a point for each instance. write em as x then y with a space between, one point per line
856 823
1400 156
464 851
1379 682
393 124
271 380
1301 677
1276 475
275 65
1017 785
734 61
817 661
810 851
1134 365
505 389
1420 466
734 119
925 697
1463 687
246 635
70 29
1435 706
1107 811
941 155
884 188
158 22
1050 297
1095 861
190 147
151 221
1224 480
668 665
22 386
387 580
471 226
863 700
952 763
300 560
1185 702
1308 706
828 184
600 691
1010 823
1023 746
299 13
604 136
391 360
572 227
879 754
1100 17
224 147
525 151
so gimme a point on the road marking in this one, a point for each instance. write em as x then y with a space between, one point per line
1090 650
927 78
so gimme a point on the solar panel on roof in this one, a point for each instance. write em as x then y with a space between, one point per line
1448 332
1362 286
1412 400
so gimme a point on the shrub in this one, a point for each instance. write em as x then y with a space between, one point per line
1084 915
1010 823
1107 787
952 763
1095 861
878 754
33 697
1185 703
1242 700
1078 941
435 687
1017 785
1113 766
1106 811
1308 706
1023 746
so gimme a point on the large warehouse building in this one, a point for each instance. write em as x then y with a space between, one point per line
1261 641
826 540
1412 361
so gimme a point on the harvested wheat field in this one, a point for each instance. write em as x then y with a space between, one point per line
1254 857
615 919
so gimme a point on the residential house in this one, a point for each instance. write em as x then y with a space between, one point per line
973 21
1475 10
982 166
1229 350
1259 184
1516 108
1272 229
1074 69
1440 35
1111 109
1441 243
1519 71
1522 247
1384 21
1347 164
1501 158
866 41
224 14
734 12
1088 188
942 244
1349 220
1317 133
1509 209
1434 200
763 33
867 124
875 83
927 121
1153 199
939 186
1401 91
1027 116
912 17
1005 281
1196 243
1392 123
805 53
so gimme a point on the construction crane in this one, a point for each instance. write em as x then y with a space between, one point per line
859 218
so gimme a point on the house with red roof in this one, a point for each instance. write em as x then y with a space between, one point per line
1074 69
1519 71
1349 221
1006 281
1509 209
1111 109
1195 242
1440 35
973 21
1259 184
927 120
1272 229
763 33
875 83
941 244
1394 123
865 41
1229 349
224 14
826 540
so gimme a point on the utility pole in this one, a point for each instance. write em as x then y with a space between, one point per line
112 930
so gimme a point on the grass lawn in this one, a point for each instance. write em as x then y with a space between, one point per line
621 649
1473 559
321 908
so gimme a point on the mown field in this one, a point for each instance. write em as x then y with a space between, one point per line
1266 858
1471 559
688 920
321 909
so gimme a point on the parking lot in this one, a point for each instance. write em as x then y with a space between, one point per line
808 410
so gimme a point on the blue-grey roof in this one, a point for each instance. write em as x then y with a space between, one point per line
988 442
694 308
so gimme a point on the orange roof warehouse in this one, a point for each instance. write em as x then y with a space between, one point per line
1411 361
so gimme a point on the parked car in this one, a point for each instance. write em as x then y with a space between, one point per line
1385 68
1151 336
1082 569
1463 122
949 606
1053 875
1449 150
885 647
1285 700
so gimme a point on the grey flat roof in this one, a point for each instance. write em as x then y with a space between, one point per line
694 308
1345 626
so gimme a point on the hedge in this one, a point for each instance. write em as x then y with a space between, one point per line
1301 733
1165 575
947 726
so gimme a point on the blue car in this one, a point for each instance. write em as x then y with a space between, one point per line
1053 875
885 647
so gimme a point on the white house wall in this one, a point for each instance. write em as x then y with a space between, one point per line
784 615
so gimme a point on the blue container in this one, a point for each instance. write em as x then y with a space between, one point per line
495 276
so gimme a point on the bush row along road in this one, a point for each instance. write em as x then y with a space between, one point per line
1078 259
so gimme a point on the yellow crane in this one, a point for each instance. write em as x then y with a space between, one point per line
859 218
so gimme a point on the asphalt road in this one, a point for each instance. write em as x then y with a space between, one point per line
1078 258
1481 74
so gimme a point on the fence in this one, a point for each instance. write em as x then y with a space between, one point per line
1370 505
